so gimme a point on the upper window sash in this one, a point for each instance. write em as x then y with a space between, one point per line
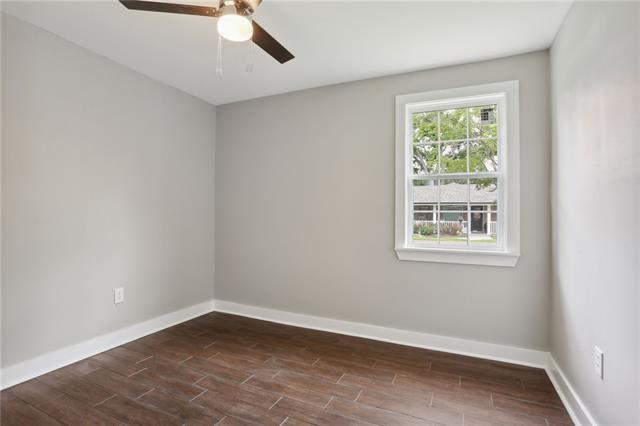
499 99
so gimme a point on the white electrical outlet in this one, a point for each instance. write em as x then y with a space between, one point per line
598 362
118 295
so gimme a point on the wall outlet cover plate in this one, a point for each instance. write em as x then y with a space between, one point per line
598 362
118 295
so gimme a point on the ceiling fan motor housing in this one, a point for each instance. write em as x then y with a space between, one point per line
235 7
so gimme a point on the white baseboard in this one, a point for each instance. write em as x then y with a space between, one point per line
575 406
42 364
515 355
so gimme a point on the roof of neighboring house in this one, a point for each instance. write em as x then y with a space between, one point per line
454 193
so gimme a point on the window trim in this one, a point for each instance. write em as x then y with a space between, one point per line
508 251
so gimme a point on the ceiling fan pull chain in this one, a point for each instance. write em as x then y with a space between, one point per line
249 56
219 59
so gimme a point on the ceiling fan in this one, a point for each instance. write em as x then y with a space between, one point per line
235 21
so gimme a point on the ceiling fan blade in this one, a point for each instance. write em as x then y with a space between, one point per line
154 6
270 44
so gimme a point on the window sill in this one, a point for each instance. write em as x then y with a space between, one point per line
469 257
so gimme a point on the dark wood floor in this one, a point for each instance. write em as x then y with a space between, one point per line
230 370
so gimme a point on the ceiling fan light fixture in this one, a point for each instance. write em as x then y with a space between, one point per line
238 26
233 26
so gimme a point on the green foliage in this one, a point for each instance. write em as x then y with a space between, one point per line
426 229
425 155
434 131
453 124
453 157
482 155
425 127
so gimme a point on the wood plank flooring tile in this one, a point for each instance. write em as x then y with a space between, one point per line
472 421
84 367
170 369
340 354
428 381
76 387
178 388
35 392
287 353
117 383
371 414
331 374
271 333
253 368
503 418
544 390
229 347
411 401
134 413
186 411
311 414
233 341
511 390
71 412
16 412
248 394
366 383
138 346
540 384
234 421
416 406
531 374
58 405
356 369
397 358
157 351
185 329
459 399
310 396
58 378
534 409
240 409
309 383
401 368
181 346
499 417
155 338
227 374
177 349
484 373
127 354
116 364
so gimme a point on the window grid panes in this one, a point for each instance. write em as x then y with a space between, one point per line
455 177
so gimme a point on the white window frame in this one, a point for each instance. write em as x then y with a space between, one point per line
506 96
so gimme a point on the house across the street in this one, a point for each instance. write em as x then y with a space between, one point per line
458 204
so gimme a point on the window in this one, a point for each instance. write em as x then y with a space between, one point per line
457 175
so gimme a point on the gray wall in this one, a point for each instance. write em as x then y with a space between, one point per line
107 181
305 205
595 189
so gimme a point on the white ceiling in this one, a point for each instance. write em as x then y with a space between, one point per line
333 41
